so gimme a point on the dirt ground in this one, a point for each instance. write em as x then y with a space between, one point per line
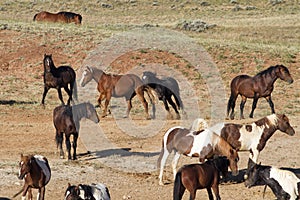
122 152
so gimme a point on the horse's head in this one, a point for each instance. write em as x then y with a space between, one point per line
148 77
284 124
87 76
222 164
78 19
25 165
233 160
252 176
92 113
284 74
48 62
72 193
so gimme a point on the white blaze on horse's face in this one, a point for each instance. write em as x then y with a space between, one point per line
21 165
144 77
82 82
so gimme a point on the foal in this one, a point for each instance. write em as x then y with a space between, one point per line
87 192
200 176
35 170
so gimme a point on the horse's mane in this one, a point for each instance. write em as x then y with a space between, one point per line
266 71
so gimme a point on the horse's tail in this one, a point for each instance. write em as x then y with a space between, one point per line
178 101
264 191
178 187
34 18
230 103
75 94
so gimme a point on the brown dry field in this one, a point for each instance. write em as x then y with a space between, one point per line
124 156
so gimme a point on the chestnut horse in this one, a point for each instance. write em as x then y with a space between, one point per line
62 17
200 176
35 170
203 144
260 85
253 137
66 120
112 85
58 78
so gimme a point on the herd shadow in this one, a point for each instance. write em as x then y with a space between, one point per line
14 102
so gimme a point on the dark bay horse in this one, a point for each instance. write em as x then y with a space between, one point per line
87 192
36 172
203 144
59 77
165 89
260 85
62 17
199 176
254 136
66 120
112 85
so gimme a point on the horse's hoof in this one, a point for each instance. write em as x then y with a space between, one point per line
62 157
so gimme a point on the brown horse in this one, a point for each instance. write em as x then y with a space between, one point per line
111 85
66 120
35 170
59 77
203 144
200 176
261 85
62 17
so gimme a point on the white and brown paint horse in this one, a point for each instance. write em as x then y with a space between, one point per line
253 137
36 172
203 144
87 192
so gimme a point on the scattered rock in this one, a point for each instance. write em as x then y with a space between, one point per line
250 8
196 25
204 3
275 2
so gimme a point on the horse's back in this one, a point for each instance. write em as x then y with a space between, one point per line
63 118
242 84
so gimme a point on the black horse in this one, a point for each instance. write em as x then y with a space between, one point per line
165 89
58 78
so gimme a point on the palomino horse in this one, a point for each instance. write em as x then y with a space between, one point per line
62 17
253 137
35 170
84 192
66 119
165 89
200 176
203 144
58 78
111 85
261 85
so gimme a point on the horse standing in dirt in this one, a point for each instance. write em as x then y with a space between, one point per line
203 144
261 85
35 170
165 89
200 176
66 120
62 17
253 137
112 85
87 192
58 78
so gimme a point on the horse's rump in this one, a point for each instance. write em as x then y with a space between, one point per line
44 165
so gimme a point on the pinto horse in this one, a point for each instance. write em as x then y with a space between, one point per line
253 137
261 85
165 89
200 176
58 78
35 170
112 85
62 17
85 192
66 119
203 144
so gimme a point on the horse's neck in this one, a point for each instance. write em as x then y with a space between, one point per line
78 112
268 129
268 74
222 147
97 74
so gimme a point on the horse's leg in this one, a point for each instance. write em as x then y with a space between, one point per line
231 105
210 195
129 106
161 163
46 89
242 105
171 102
193 194
215 188
167 107
253 106
269 99
106 103
140 94
41 193
68 145
175 162
29 193
59 140
69 92
25 189
75 137
60 96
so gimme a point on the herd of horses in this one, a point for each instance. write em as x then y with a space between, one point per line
216 146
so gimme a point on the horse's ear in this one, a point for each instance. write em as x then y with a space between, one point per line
90 69
69 184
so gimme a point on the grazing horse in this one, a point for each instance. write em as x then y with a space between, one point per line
85 192
58 78
284 184
165 89
66 119
200 176
111 85
203 144
62 17
253 137
260 85
35 170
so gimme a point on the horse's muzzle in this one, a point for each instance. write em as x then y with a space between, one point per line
290 81
20 177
